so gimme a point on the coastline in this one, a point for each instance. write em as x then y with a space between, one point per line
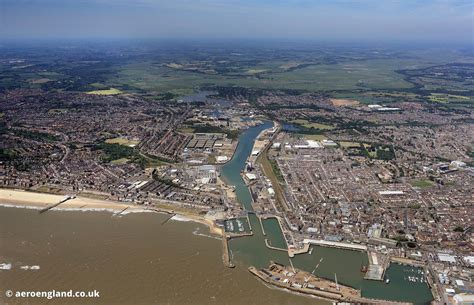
17 198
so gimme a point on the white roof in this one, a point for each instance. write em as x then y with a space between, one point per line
388 109
391 193
465 298
313 144
469 260
222 158
446 258
328 143
251 176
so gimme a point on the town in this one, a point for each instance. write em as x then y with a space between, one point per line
332 172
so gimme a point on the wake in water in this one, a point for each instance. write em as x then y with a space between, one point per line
8 266
197 233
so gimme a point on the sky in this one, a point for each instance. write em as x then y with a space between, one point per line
339 20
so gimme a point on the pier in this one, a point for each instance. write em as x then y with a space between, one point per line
168 218
261 225
119 213
272 247
66 198
376 269
225 253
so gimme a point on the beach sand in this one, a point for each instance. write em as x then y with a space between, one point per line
26 199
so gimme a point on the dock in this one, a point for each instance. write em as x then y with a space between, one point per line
66 198
300 281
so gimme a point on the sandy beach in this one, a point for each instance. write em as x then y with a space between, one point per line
20 198
32 200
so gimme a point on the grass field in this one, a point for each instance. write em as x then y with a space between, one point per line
268 170
347 144
344 102
111 91
40 80
122 141
120 161
308 124
314 137
370 74
448 98
422 183
186 130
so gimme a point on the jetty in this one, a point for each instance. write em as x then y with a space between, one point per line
66 198
267 243
168 218
377 266
120 213
225 253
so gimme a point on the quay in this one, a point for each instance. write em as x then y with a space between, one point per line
407 261
376 268
303 282
66 198
335 244
292 251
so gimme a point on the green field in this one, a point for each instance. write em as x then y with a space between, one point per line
424 183
448 98
347 144
111 91
308 124
120 161
122 141
370 74
314 137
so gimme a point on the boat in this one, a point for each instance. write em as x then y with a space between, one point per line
387 281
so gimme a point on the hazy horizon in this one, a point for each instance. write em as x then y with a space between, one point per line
421 21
